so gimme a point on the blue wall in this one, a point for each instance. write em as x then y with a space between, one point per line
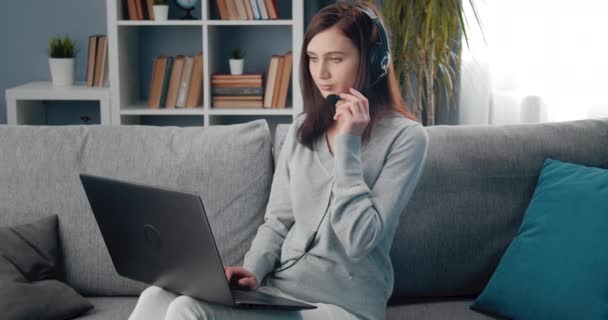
27 25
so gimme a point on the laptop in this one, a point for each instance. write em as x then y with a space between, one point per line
162 237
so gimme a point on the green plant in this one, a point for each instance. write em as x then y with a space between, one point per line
62 47
426 48
238 53
161 2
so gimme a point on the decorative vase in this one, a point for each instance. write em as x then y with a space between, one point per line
62 71
236 66
161 12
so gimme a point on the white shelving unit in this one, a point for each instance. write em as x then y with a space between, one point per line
25 103
129 59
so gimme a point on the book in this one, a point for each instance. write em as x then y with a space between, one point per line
101 67
237 91
237 82
276 9
248 9
193 98
255 9
275 91
167 75
237 98
174 82
237 104
185 82
91 59
263 11
150 9
270 80
241 10
156 82
232 13
270 9
140 11
285 80
237 76
243 82
222 8
131 9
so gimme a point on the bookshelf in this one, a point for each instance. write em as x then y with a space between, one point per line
133 45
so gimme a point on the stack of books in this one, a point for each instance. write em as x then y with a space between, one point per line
139 9
278 79
97 61
237 91
248 9
249 90
177 82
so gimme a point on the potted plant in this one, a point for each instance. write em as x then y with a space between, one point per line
62 52
237 61
427 50
161 10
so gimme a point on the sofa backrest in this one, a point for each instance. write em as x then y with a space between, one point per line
229 166
471 197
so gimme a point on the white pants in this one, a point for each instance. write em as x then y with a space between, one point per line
157 303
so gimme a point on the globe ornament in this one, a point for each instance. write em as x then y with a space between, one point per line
188 6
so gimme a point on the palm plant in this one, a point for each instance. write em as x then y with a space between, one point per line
426 48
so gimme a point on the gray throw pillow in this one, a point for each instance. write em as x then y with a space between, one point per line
30 274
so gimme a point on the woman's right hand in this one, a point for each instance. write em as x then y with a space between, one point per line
241 277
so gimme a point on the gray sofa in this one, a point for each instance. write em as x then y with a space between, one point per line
468 205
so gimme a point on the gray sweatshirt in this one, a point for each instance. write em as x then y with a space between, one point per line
365 187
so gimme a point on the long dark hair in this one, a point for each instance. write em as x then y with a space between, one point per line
384 99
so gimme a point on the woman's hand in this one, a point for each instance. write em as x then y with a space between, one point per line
352 113
241 277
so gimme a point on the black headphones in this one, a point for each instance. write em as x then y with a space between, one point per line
380 53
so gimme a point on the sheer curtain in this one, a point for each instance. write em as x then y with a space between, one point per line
543 61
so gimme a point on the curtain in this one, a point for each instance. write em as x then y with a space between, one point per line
542 61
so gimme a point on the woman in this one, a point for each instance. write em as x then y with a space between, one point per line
339 187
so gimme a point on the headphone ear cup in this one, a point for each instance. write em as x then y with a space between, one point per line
374 62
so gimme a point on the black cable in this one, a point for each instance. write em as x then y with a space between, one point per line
311 239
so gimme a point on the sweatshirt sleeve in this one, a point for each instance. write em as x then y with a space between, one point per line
265 251
361 216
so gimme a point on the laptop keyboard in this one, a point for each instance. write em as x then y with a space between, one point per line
247 295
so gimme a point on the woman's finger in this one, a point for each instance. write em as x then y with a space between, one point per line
365 104
355 110
247 282
349 97
358 94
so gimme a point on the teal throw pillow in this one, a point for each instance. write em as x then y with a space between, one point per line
557 265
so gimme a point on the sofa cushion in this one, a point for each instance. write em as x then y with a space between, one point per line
557 265
435 309
30 273
110 308
473 192
230 167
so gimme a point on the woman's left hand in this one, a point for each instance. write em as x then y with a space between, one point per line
352 113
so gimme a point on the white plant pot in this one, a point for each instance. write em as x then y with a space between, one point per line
236 66
161 12
62 71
